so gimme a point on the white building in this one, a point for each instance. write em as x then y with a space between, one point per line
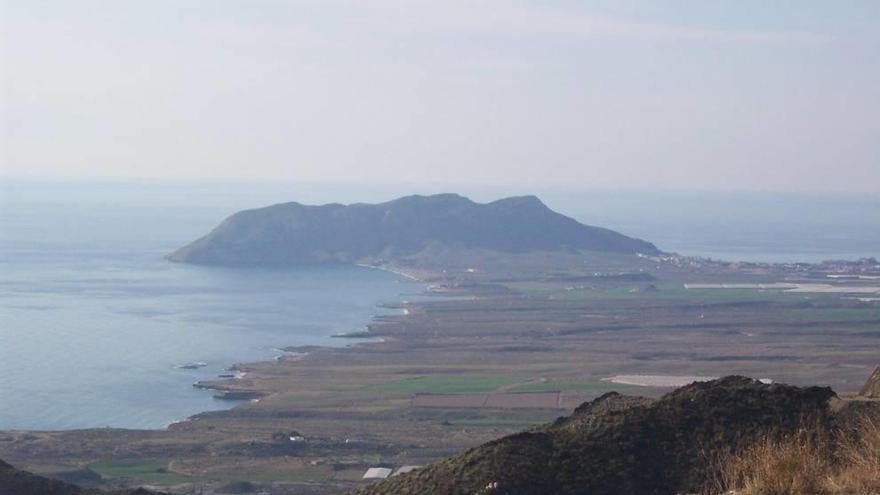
377 473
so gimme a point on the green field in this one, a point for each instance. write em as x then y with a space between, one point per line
156 472
446 384
674 291
473 417
499 421
553 385
145 471
832 314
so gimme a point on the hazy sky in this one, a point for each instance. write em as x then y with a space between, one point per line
607 94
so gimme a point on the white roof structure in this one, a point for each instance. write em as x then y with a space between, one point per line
377 473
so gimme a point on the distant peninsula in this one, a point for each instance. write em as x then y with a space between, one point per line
297 234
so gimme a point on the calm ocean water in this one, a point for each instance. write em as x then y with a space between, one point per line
93 321
742 226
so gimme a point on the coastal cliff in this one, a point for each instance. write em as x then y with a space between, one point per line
296 234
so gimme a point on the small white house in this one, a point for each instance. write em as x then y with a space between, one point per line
377 473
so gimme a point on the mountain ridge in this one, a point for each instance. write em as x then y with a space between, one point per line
617 444
292 233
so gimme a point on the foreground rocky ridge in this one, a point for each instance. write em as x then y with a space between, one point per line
292 233
618 444
626 445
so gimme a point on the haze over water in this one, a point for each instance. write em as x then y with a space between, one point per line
93 321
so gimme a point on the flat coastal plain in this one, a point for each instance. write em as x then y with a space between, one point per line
505 344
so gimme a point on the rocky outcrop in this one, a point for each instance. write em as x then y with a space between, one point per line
618 445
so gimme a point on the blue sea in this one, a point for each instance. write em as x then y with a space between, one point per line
94 323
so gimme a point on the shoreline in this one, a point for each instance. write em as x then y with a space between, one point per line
396 271
329 412
236 384
225 385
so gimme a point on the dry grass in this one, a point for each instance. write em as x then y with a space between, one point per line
806 463
858 471
797 464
